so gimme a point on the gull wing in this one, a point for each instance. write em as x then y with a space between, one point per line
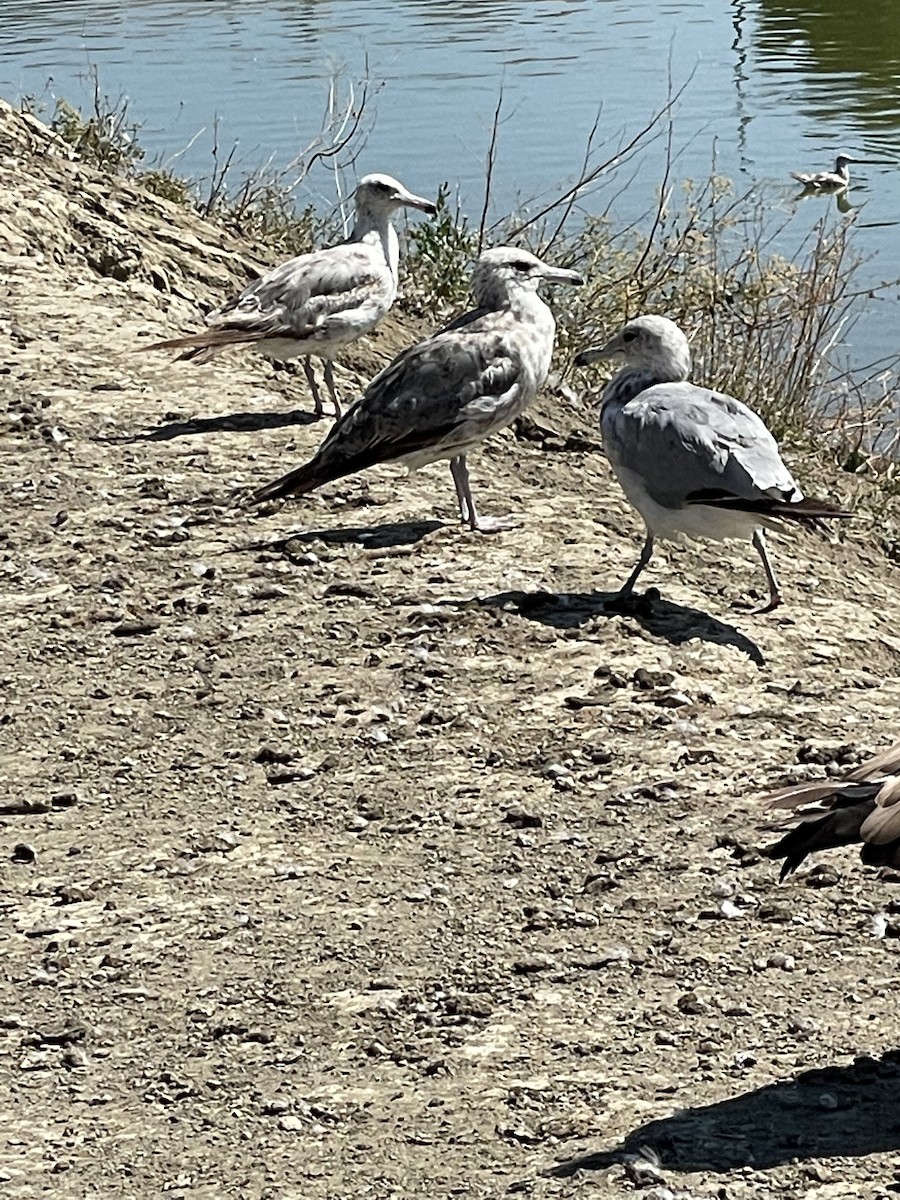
862 807
432 401
692 445
297 298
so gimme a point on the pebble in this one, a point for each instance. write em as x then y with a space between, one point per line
290 1123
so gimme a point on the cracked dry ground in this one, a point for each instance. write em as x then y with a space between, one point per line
345 853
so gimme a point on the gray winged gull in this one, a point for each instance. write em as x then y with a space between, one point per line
319 302
827 181
443 396
863 807
695 463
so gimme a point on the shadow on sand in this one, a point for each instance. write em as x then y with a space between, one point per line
662 618
832 1112
240 422
370 537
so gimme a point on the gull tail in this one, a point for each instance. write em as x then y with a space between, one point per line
330 462
838 826
807 510
201 347
864 808
298 482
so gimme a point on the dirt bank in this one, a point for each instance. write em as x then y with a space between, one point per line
345 853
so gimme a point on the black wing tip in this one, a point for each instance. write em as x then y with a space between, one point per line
793 855
796 510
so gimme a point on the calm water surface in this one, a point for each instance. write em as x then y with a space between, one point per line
769 87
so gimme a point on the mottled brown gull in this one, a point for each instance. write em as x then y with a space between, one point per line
695 463
863 806
319 302
827 181
445 395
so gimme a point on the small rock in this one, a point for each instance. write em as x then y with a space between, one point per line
692 1004
290 1123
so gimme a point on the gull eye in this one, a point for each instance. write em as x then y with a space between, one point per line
522 266
629 335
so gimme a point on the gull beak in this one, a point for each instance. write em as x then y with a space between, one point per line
594 353
561 275
419 202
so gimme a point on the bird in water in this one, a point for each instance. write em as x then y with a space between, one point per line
443 396
863 806
827 181
317 303
694 462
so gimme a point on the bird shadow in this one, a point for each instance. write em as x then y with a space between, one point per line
239 422
674 622
831 1112
370 537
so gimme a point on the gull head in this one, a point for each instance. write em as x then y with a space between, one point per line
649 343
840 163
505 270
383 193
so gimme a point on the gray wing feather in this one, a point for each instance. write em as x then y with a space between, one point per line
683 439
444 390
299 297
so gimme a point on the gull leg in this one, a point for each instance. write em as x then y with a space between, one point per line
460 474
329 383
759 541
313 386
467 510
646 552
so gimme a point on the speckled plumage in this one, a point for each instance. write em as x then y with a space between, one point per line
320 302
442 396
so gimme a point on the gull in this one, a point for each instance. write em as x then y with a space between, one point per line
863 807
443 396
827 181
695 463
319 302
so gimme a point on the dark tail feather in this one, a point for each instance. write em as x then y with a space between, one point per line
296 483
200 346
325 466
839 828
807 509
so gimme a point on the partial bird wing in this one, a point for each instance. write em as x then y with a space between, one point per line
689 444
862 807
342 290
296 298
432 401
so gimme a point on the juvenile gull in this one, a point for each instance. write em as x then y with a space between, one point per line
863 807
445 395
695 463
827 181
319 302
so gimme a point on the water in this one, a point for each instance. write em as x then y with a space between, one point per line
769 87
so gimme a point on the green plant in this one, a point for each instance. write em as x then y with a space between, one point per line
105 138
438 262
